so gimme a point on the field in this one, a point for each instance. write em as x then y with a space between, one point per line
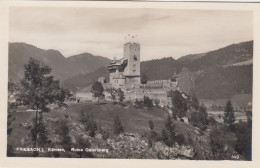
238 115
133 120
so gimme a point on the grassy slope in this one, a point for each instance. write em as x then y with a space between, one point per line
133 120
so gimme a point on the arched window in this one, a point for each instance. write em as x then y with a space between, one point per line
135 58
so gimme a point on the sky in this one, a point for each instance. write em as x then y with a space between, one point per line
102 31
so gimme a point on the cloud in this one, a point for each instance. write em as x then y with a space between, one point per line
101 31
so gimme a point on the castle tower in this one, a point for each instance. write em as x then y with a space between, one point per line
132 55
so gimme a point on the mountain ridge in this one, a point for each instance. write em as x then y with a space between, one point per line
19 54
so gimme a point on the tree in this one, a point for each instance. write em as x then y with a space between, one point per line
97 90
244 140
216 145
139 104
120 95
194 102
64 133
179 104
148 102
204 114
168 133
118 127
112 92
38 89
144 78
229 117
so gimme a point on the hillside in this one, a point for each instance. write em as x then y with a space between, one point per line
218 74
224 82
62 68
189 58
231 54
83 80
160 69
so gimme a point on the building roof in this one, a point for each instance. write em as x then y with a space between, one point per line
117 62
119 76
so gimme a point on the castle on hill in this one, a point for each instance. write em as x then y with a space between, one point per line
124 73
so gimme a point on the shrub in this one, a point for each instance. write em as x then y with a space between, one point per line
153 137
148 102
139 104
244 140
89 123
105 134
64 133
120 95
180 139
216 145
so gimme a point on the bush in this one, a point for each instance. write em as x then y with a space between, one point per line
153 137
216 145
148 102
180 139
244 140
139 104
64 133
105 134
89 123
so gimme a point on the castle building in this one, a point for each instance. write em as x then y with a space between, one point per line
124 73
126 70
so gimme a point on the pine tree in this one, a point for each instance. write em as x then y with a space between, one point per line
229 117
194 102
179 104
168 133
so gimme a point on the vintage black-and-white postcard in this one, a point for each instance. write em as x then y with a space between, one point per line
157 82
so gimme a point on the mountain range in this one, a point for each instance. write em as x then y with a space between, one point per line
62 67
219 74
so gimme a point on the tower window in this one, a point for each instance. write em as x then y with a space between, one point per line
135 58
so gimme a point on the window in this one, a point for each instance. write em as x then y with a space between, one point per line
134 70
134 65
135 58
